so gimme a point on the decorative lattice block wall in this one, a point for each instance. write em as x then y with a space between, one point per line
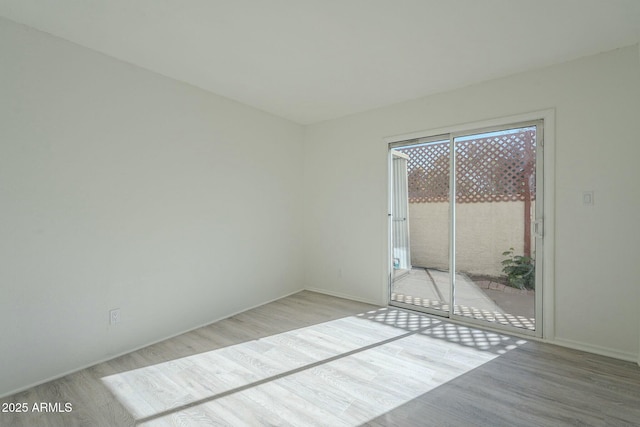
489 169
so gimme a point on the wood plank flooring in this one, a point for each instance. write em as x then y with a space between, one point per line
312 359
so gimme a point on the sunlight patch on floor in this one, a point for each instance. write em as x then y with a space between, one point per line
342 372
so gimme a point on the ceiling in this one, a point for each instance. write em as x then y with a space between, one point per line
313 60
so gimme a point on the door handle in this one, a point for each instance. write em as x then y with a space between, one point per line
538 228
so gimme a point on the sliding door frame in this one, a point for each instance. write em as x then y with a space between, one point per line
543 224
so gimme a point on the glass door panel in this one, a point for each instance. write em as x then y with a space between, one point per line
495 207
425 284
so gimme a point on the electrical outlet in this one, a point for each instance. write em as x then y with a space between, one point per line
114 316
587 198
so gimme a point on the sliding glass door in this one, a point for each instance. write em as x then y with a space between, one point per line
474 208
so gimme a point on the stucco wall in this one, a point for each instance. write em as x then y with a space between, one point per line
484 232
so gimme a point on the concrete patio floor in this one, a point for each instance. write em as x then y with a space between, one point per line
430 288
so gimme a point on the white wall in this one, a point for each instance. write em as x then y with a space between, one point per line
596 248
123 188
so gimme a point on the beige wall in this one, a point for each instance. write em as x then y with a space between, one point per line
484 232
429 235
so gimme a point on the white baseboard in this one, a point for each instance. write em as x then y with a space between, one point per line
345 296
88 365
596 349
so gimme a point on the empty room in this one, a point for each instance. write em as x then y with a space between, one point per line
319 213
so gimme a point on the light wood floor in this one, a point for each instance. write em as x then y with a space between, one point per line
311 359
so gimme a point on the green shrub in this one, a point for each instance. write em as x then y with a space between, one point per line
520 270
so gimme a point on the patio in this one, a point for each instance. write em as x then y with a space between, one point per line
484 300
